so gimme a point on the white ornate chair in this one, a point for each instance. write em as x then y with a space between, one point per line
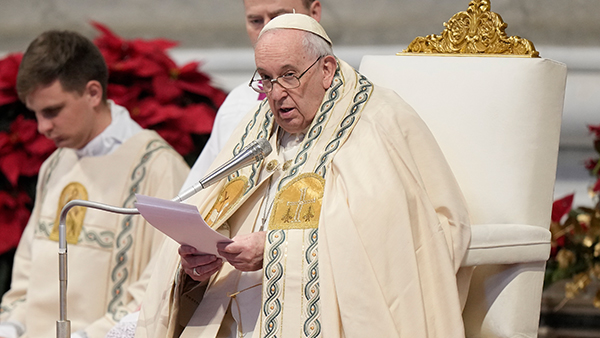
497 119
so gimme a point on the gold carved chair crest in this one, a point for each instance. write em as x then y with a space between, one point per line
477 30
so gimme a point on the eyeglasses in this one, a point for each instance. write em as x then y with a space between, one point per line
287 81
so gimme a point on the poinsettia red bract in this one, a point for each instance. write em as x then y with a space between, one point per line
561 207
9 66
23 150
14 213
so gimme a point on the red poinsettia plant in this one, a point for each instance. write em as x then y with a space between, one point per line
575 253
22 151
178 102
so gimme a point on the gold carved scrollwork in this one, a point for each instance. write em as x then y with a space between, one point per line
476 31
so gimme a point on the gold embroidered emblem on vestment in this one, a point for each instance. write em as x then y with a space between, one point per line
298 204
75 217
228 197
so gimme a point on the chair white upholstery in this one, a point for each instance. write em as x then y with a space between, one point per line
497 120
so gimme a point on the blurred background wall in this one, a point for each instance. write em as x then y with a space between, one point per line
213 31
219 23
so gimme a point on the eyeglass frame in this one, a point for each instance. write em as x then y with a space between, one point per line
276 80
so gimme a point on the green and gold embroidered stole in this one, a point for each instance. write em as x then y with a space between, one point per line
292 235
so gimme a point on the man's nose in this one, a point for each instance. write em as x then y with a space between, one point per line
44 126
278 91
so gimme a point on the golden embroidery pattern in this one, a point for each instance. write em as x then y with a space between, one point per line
75 217
229 195
298 204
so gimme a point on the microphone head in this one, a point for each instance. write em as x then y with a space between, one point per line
264 147
254 152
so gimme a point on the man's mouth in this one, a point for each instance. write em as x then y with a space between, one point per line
57 140
285 111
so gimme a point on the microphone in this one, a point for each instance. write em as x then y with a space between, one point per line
254 152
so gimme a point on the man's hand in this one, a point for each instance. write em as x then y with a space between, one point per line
245 253
199 266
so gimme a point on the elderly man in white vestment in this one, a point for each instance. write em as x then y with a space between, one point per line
238 102
102 156
352 227
242 98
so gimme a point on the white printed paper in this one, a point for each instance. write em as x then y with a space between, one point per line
182 222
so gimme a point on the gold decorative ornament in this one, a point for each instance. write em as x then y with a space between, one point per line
596 300
75 217
272 165
231 193
565 258
298 204
578 284
475 31
287 165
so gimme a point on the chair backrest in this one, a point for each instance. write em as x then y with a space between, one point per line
497 120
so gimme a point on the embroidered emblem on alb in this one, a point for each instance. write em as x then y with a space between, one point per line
228 197
75 217
298 204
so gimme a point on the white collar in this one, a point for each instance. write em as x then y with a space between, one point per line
289 143
120 129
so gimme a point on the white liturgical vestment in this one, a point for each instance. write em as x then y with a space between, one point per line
107 253
364 237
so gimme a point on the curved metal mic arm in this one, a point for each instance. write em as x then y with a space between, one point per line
254 152
63 326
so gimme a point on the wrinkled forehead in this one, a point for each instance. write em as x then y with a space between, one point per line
279 43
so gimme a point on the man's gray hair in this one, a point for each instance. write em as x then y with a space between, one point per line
316 45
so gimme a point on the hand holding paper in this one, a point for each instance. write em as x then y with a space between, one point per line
245 253
200 267
182 222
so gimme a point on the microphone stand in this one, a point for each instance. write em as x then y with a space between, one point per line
63 326
254 152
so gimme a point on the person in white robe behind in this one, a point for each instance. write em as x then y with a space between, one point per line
354 225
242 98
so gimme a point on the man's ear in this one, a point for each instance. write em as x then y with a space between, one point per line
93 89
315 10
329 67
